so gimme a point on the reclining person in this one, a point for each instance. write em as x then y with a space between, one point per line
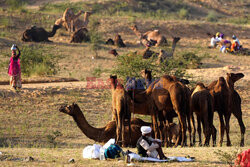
149 147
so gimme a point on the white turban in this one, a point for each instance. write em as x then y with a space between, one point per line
145 130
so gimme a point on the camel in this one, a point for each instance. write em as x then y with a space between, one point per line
81 35
120 109
107 132
227 101
82 23
166 95
113 52
118 41
37 34
202 104
110 42
154 35
164 55
68 19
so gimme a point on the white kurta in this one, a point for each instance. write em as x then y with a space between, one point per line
151 149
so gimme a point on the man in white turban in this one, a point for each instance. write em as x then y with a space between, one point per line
147 146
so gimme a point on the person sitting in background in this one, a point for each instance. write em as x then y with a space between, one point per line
214 41
235 44
149 147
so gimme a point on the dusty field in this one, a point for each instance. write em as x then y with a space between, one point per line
29 117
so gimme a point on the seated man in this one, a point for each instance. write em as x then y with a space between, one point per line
235 44
149 147
214 41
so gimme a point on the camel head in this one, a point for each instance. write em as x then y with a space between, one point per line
133 27
176 39
69 109
233 77
88 13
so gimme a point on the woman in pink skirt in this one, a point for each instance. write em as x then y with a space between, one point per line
14 70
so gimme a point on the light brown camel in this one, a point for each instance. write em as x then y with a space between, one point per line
164 55
120 109
227 101
154 35
69 19
202 105
78 23
107 132
38 34
81 35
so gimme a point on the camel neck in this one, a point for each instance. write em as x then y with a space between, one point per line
88 130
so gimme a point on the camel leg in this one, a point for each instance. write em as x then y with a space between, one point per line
118 129
214 131
189 129
238 115
155 125
182 121
227 119
222 128
199 129
207 131
193 127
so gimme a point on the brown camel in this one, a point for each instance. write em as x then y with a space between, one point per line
120 109
105 133
37 34
166 95
227 101
202 105
69 19
164 55
118 41
110 42
81 35
154 35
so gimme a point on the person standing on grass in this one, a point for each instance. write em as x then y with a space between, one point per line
14 69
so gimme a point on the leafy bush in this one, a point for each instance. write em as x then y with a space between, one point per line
190 60
212 16
227 158
183 13
131 65
35 61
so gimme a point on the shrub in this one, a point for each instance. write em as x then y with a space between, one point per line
183 13
131 66
35 61
212 16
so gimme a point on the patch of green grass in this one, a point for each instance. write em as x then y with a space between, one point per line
16 4
212 16
239 20
183 13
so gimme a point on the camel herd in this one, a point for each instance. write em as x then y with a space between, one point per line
169 97
164 99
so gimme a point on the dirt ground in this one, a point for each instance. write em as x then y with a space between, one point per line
29 117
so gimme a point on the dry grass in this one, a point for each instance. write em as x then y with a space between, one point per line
29 116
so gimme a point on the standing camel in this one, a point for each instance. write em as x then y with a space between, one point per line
154 35
227 101
120 109
202 105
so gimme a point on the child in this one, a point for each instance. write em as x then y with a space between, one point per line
14 70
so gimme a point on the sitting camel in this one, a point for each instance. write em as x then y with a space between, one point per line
79 36
37 34
105 133
154 35
120 109
164 55
227 101
69 19
202 105
118 41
